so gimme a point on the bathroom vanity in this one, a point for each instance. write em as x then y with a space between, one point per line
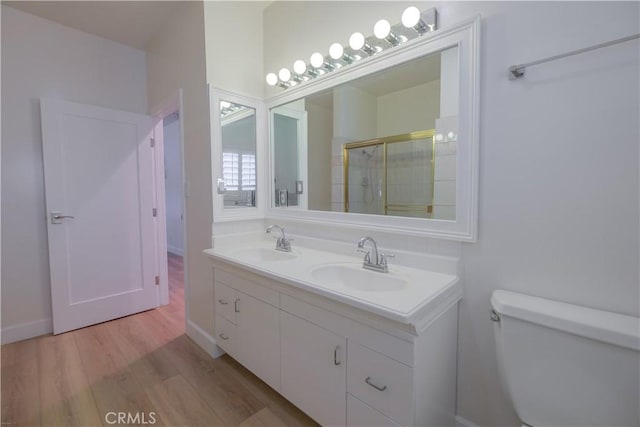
388 145
346 345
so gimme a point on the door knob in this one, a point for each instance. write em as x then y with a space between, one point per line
57 217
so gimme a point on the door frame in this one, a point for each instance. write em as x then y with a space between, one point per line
168 106
301 117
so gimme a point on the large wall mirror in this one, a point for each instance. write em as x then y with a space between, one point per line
388 142
237 148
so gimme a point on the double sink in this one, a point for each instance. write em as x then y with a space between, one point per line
413 285
349 275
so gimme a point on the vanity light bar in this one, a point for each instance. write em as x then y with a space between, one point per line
412 18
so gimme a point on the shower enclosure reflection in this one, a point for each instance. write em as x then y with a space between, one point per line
391 176
364 171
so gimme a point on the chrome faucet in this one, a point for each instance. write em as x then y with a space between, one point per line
282 244
374 259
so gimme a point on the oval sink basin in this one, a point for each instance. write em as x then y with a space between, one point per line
357 278
264 255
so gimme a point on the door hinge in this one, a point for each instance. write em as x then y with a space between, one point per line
157 280
153 142
154 211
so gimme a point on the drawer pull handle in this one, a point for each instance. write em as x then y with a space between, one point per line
368 381
223 336
223 302
336 356
237 309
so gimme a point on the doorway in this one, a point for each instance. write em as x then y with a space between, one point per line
174 197
169 126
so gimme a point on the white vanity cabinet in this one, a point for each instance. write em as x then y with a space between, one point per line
248 327
339 364
314 369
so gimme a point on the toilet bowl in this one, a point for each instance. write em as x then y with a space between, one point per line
566 365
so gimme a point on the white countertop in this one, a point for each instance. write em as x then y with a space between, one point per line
424 291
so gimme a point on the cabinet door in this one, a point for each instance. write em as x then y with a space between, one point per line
258 338
314 370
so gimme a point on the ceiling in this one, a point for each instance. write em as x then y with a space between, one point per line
400 77
132 23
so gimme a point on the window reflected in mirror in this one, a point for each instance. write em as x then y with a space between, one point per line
382 144
238 124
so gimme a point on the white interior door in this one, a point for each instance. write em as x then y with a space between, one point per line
100 181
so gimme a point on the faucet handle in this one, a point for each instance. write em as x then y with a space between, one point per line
383 258
367 256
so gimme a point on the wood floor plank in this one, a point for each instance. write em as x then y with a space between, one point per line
281 407
263 418
20 389
229 399
65 395
142 351
180 405
114 385
163 327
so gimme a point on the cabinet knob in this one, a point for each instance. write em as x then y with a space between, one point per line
223 336
223 302
236 306
336 356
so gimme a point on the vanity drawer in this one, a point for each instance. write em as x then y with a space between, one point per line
360 414
250 284
380 382
226 335
225 298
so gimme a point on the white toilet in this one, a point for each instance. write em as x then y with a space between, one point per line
565 365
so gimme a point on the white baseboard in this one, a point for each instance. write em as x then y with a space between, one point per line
174 250
27 330
203 339
463 422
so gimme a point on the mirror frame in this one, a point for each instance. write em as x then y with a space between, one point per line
465 35
220 214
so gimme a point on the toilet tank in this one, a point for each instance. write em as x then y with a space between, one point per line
566 365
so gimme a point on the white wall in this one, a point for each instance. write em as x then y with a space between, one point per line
559 161
320 133
234 46
409 110
42 58
176 60
173 184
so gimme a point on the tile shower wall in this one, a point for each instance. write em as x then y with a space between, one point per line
366 180
444 189
409 177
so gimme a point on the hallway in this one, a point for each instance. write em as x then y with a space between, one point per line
141 365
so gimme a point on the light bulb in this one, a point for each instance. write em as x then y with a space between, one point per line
336 51
382 29
272 79
451 135
439 137
411 17
299 66
284 74
356 41
317 60
224 104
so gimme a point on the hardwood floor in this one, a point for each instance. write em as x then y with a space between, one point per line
142 365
